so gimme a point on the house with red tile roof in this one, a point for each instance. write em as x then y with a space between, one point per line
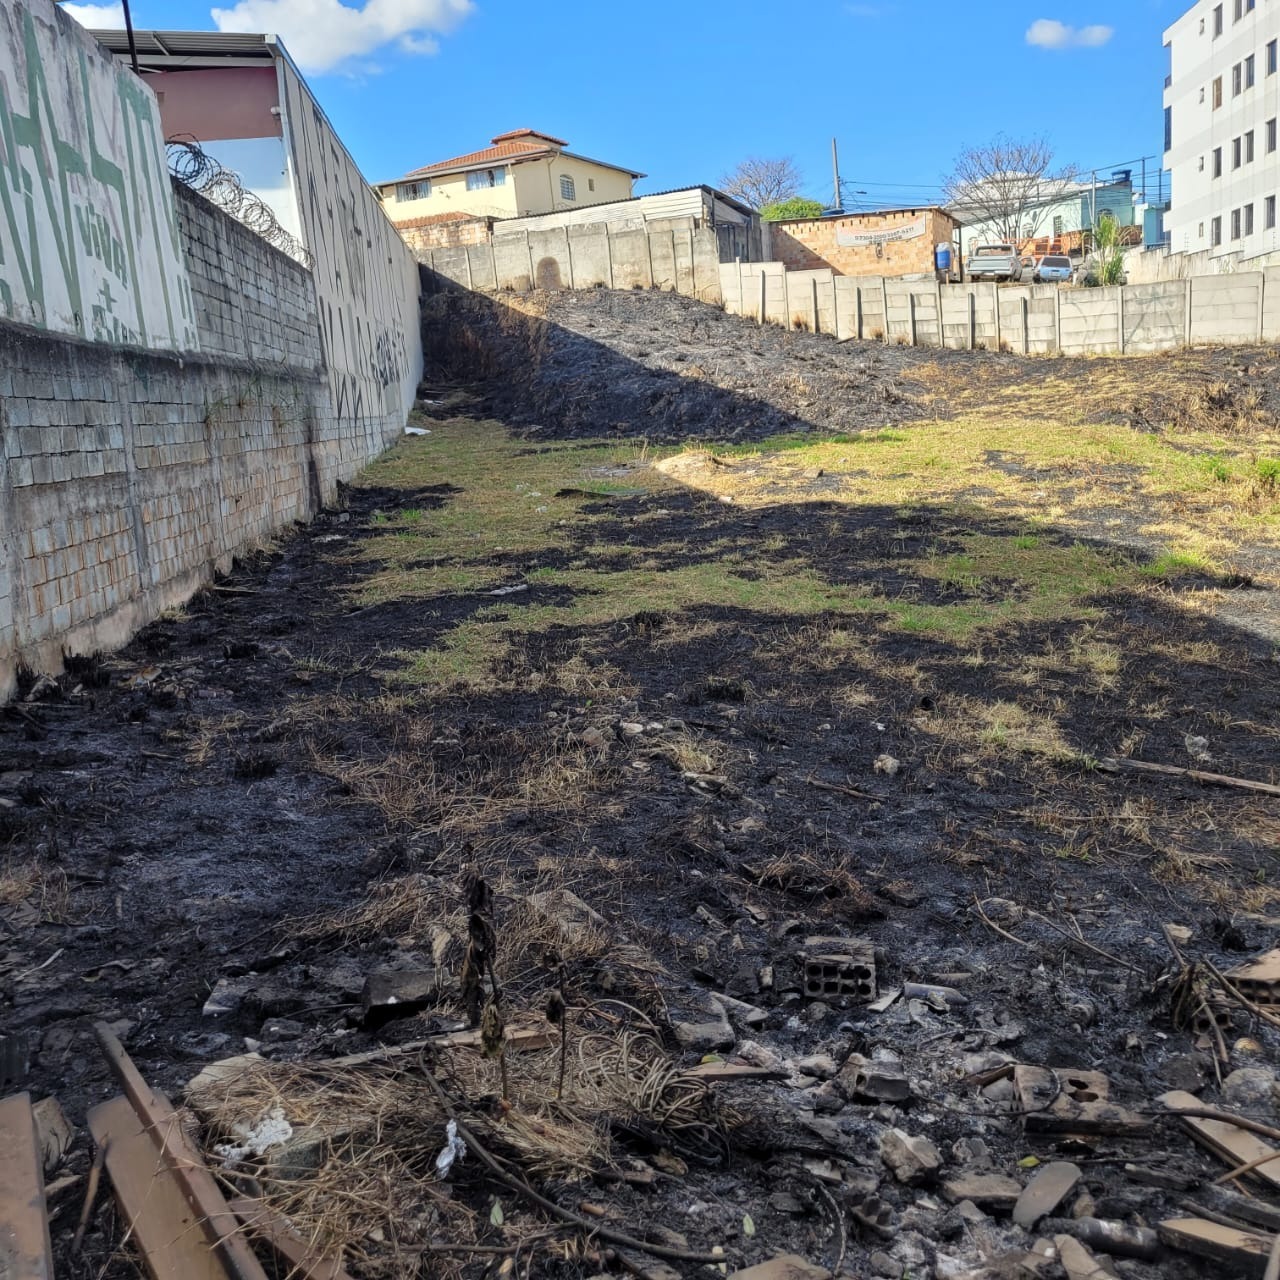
519 173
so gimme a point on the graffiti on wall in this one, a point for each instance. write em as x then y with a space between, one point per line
88 237
366 277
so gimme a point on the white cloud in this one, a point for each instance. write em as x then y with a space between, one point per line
320 34
1049 33
99 16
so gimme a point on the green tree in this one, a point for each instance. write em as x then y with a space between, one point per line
795 207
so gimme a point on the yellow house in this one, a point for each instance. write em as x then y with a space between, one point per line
522 172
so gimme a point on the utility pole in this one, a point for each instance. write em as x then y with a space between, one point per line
835 173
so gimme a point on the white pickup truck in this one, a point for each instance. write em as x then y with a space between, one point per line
994 262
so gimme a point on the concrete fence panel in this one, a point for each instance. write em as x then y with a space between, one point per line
1089 321
1227 308
1155 316
1271 305
811 300
512 265
481 268
592 267
630 250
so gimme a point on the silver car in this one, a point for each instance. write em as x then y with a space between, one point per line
1052 269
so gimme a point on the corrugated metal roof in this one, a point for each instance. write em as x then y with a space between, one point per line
187 44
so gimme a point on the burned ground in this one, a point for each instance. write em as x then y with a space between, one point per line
731 697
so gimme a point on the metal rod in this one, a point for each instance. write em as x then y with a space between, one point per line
128 27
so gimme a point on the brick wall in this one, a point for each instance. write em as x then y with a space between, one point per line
128 476
811 243
444 231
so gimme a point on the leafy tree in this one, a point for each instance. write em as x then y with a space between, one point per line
795 207
760 182
1009 185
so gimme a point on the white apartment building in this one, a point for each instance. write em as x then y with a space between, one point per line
1221 103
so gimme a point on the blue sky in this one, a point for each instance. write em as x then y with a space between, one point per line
683 90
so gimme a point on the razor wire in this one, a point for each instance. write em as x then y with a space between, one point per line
196 168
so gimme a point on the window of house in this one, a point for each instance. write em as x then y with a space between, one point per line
1202 231
1058 225
1235 224
1248 219
1237 79
1215 232
1235 153
1217 21
1248 147
1271 134
1248 72
1217 92
1269 213
1217 162
591 184
1202 164
412 190
483 179
567 190
1202 93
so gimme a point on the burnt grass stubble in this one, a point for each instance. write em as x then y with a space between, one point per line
172 859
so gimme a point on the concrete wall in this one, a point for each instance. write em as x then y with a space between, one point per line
87 240
675 256
444 231
366 278
1031 319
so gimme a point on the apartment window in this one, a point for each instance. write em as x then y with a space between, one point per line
1248 72
1217 21
1217 162
1235 153
1215 232
1217 92
1235 224
1202 231
1237 79
483 179
567 190
412 190
1248 147
1248 219
1202 93
1271 134
1237 10
1168 128
1248 6
1271 57
1269 213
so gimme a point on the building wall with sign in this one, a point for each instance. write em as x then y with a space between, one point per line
891 242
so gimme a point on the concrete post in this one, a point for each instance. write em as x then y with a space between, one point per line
942 333
528 248
1262 297
608 253
884 303
763 286
911 311
568 249
648 248
1057 315
973 321
814 283
466 257
857 311
1026 326
493 263
1186 339
1120 317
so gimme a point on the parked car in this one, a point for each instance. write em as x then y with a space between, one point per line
994 262
1053 268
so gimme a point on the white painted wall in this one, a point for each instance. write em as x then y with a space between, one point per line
88 238
1197 57
366 276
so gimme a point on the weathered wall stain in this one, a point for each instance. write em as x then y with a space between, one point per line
88 241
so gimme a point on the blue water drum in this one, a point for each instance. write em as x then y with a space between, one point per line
942 257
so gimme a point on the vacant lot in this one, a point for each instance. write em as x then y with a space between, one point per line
815 640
